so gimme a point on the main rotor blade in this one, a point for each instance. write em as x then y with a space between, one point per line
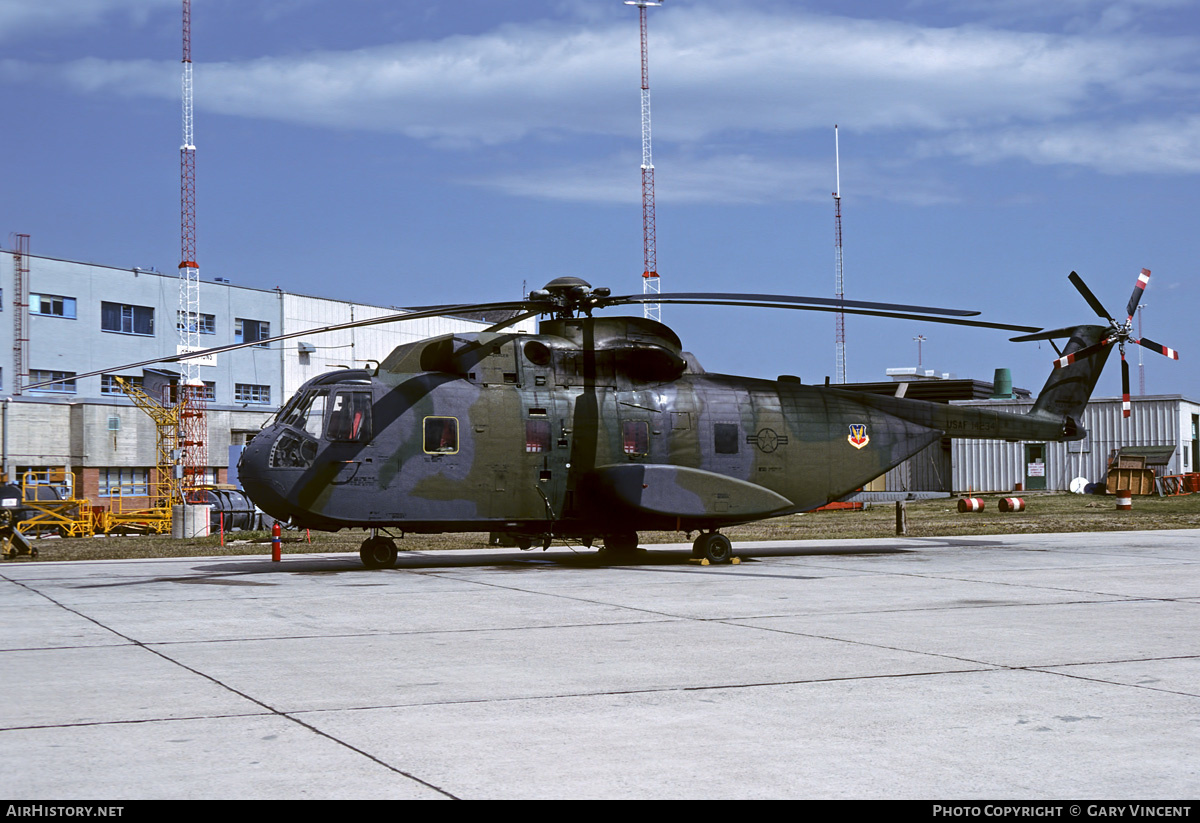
720 298
1082 288
1052 334
899 315
1165 351
436 311
1139 289
516 318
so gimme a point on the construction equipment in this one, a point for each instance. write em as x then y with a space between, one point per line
48 504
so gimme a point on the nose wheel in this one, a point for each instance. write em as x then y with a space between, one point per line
713 547
378 552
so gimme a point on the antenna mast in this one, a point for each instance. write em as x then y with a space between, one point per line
20 314
193 425
838 290
650 279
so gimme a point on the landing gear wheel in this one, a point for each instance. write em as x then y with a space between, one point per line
713 547
623 544
378 552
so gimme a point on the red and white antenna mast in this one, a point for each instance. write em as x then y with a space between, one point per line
650 278
189 269
193 425
839 286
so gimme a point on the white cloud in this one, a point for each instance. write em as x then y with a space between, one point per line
25 17
1153 145
722 78
710 178
711 73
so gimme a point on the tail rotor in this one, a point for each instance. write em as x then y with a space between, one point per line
1118 333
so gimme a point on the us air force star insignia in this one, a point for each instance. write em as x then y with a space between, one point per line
767 440
858 435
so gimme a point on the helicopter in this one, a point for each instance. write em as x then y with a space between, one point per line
597 428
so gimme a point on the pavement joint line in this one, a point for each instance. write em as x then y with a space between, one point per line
1040 667
982 669
1093 679
269 709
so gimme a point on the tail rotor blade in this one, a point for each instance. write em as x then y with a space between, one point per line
1165 351
1126 407
1068 359
1082 288
1138 289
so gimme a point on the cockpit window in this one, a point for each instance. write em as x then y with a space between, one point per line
307 412
350 416
441 435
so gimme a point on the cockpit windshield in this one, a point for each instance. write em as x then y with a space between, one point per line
307 411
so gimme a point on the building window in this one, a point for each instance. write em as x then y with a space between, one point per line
65 384
123 482
52 305
109 384
206 324
207 392
118 317
250 331
252 393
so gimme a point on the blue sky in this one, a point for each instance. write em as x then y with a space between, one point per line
411 153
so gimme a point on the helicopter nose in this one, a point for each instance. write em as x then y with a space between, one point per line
256 476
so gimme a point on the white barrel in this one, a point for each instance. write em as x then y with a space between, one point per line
970 504
1124 500
190 521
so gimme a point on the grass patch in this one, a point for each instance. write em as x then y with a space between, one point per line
1045 513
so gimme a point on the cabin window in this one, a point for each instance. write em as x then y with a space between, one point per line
725 438
350 416
441 435
537 436
635 437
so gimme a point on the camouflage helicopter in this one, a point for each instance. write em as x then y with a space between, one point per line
597 428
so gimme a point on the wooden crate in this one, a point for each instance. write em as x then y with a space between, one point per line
1138 481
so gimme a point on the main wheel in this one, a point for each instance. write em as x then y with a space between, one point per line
622 544
713 547
378 552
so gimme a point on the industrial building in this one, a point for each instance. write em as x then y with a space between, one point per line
71 318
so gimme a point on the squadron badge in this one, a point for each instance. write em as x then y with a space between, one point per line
858 436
